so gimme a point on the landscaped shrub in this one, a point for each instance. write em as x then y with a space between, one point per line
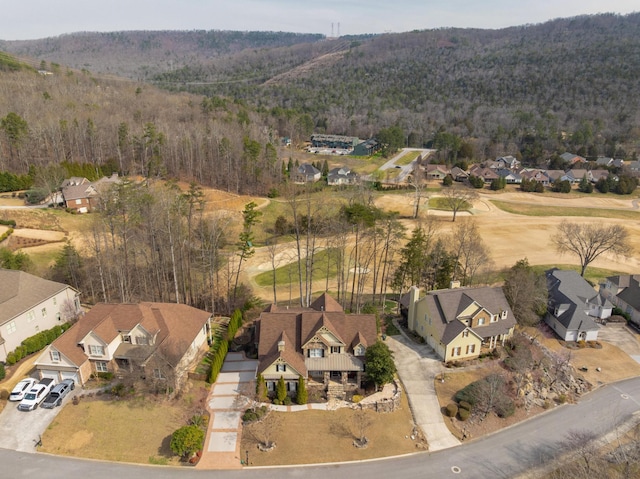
464 405
187 440
505 408
108 376
301 397
562 398
3 373
4 394
463 414
11 223
452 409
36 343
261 388
582 344
6 234
281 390
356 398
287 401
254 414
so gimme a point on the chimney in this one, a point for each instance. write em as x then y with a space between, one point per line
280 346
454 284
414 296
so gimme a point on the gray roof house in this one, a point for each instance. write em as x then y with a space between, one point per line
573 306
341 176
459 322
624 292
307 173
29 304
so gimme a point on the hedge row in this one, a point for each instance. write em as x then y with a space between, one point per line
36 343
6 234
11 223
223 345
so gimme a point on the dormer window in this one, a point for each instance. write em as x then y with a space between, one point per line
126 339
55 356
359 350
503 314
281 368
335 349
96 350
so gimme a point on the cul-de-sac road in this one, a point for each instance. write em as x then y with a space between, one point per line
502 455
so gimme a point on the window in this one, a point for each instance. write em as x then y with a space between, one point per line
292 386
31 316
455 351
78 202
101 367
480 321
44 312
316 353
55 356
494 318
11 327
465 333
271 386
359 350
335 349
471 348
281 368
503 315
126 339
96 350
157 374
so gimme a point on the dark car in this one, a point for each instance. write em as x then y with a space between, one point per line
56 395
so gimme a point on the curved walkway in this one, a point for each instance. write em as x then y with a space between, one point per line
418 367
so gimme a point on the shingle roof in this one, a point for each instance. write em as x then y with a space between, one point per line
22 291
175 325
571 292
301 324
446 307
630 285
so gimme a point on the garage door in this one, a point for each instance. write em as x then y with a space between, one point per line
50 374
67 375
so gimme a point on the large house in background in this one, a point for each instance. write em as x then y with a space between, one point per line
81 195
624 292
146 341
574 305
459 322
320 343
29 304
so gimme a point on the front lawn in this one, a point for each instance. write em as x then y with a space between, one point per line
136 430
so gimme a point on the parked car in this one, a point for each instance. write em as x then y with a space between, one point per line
21 389
70 382
33 398
57 394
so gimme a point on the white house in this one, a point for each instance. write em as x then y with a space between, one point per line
29 304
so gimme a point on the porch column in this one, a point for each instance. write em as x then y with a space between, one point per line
359 378
326 378
345 378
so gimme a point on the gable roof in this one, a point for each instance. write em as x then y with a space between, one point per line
22 291
572 294
446 306
300 325
630 289
175 327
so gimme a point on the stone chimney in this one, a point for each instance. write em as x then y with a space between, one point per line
414 296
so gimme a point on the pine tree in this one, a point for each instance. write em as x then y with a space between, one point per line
281 390
302 396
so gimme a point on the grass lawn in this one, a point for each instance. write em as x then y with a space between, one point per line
289 273
538 210
407 158
439 203
134 430
593 275
311 437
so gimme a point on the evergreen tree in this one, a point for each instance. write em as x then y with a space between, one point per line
281 390
302 396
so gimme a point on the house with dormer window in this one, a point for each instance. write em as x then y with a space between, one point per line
320 343
144 341
460 323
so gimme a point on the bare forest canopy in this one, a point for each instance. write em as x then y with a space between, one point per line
534 91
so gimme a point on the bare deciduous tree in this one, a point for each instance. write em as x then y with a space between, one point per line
457 197
590 240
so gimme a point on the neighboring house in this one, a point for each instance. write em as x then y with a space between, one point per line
511 177
573 306
575 176
508 162
334 141
459 323
81 195
146 341
307 173
341 176
320 343
458 174
436 172
487 174
537 175
29 304
572 158
554 175
624 292
604 161
597 175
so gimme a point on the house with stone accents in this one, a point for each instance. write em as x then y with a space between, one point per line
460 323
321 343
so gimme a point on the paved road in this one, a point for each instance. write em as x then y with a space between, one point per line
502 455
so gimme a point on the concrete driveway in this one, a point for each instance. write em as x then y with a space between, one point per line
417 367
226 404
620 335
21 430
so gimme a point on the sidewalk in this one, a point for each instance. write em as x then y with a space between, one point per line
226 406
417 367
